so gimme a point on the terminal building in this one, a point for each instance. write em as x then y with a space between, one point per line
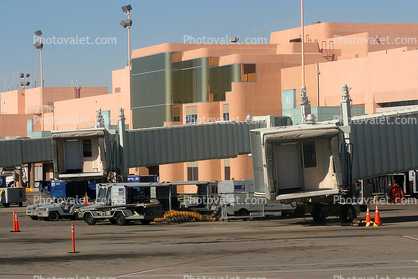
184 84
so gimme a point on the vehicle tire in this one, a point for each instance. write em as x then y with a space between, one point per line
34 217
112 221
145 221
89 219
20 204
243 212
318 214
347 213
6 204
74 217
396 194
53 216
120 219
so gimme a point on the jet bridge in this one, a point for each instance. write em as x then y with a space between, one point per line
93 152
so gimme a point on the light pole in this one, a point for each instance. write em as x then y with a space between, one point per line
304 102
127 24
40 46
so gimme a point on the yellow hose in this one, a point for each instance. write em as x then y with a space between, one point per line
183 216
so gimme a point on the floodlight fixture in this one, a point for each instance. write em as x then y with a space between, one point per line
126 8
126 23
39 45
38 33
123 24
24 83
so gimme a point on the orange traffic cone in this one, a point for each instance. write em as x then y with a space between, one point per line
377 220
368 220
15 222
86 199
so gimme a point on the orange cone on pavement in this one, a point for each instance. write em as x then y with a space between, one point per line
368 220
377 220
15 222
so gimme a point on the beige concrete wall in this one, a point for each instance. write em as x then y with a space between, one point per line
384 76
13 102
15 125
173 172
28 101
81 113
327 30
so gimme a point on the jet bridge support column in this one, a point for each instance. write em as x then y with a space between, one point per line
345 121
122 145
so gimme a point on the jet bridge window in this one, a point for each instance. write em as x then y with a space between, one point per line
87 151
309 154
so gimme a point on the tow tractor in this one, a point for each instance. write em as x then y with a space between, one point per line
121 203
54 210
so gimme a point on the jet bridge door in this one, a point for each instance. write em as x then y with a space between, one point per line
73 156
288 166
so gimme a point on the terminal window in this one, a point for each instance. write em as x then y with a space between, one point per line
191 119
192 174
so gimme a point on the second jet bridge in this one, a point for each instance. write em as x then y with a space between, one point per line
166 145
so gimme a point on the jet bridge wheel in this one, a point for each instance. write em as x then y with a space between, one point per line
89 219
318 214
347 213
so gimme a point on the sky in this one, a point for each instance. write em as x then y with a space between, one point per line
154 22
